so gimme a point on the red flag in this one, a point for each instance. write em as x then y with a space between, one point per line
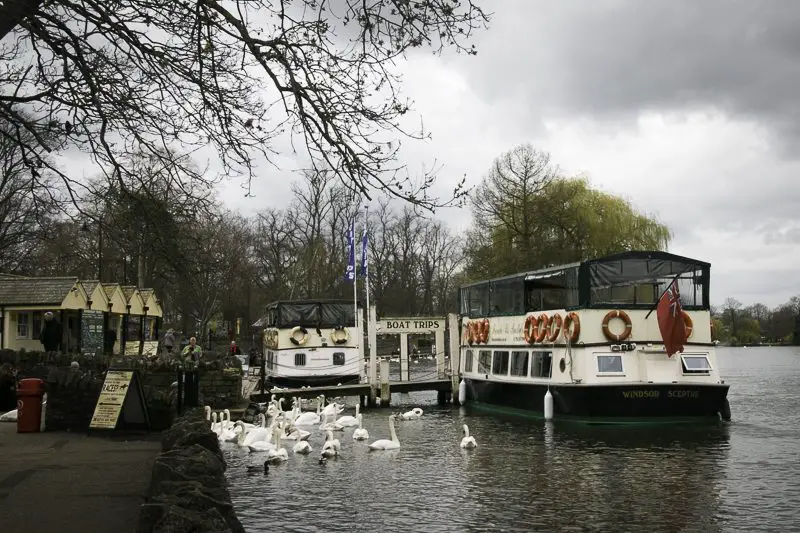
670 320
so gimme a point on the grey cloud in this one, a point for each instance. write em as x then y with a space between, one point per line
611 59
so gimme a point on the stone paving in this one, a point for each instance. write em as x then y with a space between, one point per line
68 482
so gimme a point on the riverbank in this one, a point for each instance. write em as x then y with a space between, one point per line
62 481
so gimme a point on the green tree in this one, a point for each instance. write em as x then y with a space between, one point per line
527 217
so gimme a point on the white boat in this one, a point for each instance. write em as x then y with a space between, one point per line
587 333
312 342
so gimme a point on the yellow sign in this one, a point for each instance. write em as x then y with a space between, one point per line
112 397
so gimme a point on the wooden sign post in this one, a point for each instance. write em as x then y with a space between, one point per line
121 404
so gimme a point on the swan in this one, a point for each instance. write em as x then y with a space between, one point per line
308 418
256 434
330 426
331 446
385 444
207 409
414 414
216 424
332 408
276 454
302 447
226 419
295 433
468 442
348 421
360 433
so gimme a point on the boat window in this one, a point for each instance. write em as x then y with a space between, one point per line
500 363
541 364
695 364
476 300
507 297
551 290
519 363
641 280
299 359
609 364
484 361
468 361
338 358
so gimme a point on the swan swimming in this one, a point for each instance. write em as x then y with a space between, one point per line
348 421
331 446
468 442
386 444
360 433
302 447
414 414
277 454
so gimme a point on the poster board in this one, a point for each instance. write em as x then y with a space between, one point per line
121 403
92 331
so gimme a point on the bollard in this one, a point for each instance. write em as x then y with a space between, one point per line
29 405
386 394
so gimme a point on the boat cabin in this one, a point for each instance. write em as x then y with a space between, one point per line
321 314
630 280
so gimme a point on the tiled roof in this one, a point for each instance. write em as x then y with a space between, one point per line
35 291
110 289
89 285
146 293
4 275
128 291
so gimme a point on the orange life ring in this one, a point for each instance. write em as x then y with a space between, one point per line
529 331
688 324
572 320
622 315
542 327
470 333
483 331
553 333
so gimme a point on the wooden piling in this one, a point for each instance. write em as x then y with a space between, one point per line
386 394
455 354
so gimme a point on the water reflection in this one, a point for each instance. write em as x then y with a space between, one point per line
531 475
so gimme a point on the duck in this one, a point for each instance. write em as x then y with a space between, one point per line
360 433
468 442
254 468
386 444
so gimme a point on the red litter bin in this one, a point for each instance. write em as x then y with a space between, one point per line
30 392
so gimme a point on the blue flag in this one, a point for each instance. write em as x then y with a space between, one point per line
350 271
364 252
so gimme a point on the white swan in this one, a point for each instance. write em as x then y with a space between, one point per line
292 432
348 421
413 414
385 444
331 446
308 418
360 433
255 434
277 454
332 408
302 447
330 426
208 413
468 442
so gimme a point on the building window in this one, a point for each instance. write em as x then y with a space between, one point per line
338 358
468 361
519 364
23 326
541 364
609 364
500 363
484 361
299 359
695 364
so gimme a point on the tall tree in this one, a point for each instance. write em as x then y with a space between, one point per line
142 75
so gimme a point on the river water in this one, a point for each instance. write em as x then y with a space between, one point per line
528 475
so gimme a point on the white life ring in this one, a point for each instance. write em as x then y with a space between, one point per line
293 335
338 338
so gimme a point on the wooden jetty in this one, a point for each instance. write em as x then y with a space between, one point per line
442 386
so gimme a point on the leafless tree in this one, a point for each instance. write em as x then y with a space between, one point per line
169 78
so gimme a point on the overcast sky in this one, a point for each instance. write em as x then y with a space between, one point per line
687 108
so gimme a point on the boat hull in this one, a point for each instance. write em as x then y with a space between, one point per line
313 381
618 402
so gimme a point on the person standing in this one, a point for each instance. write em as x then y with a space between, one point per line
50 336
192 351
169 340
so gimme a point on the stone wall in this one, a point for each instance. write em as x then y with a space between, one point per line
188 491
72 392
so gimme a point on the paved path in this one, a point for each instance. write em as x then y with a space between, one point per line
71 482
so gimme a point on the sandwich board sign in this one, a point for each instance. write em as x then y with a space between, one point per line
121 402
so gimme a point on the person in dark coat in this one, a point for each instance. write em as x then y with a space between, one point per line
8 388
50 336
109 340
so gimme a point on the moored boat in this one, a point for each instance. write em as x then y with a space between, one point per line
598 340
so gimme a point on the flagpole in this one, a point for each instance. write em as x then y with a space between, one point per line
355 272
366 262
